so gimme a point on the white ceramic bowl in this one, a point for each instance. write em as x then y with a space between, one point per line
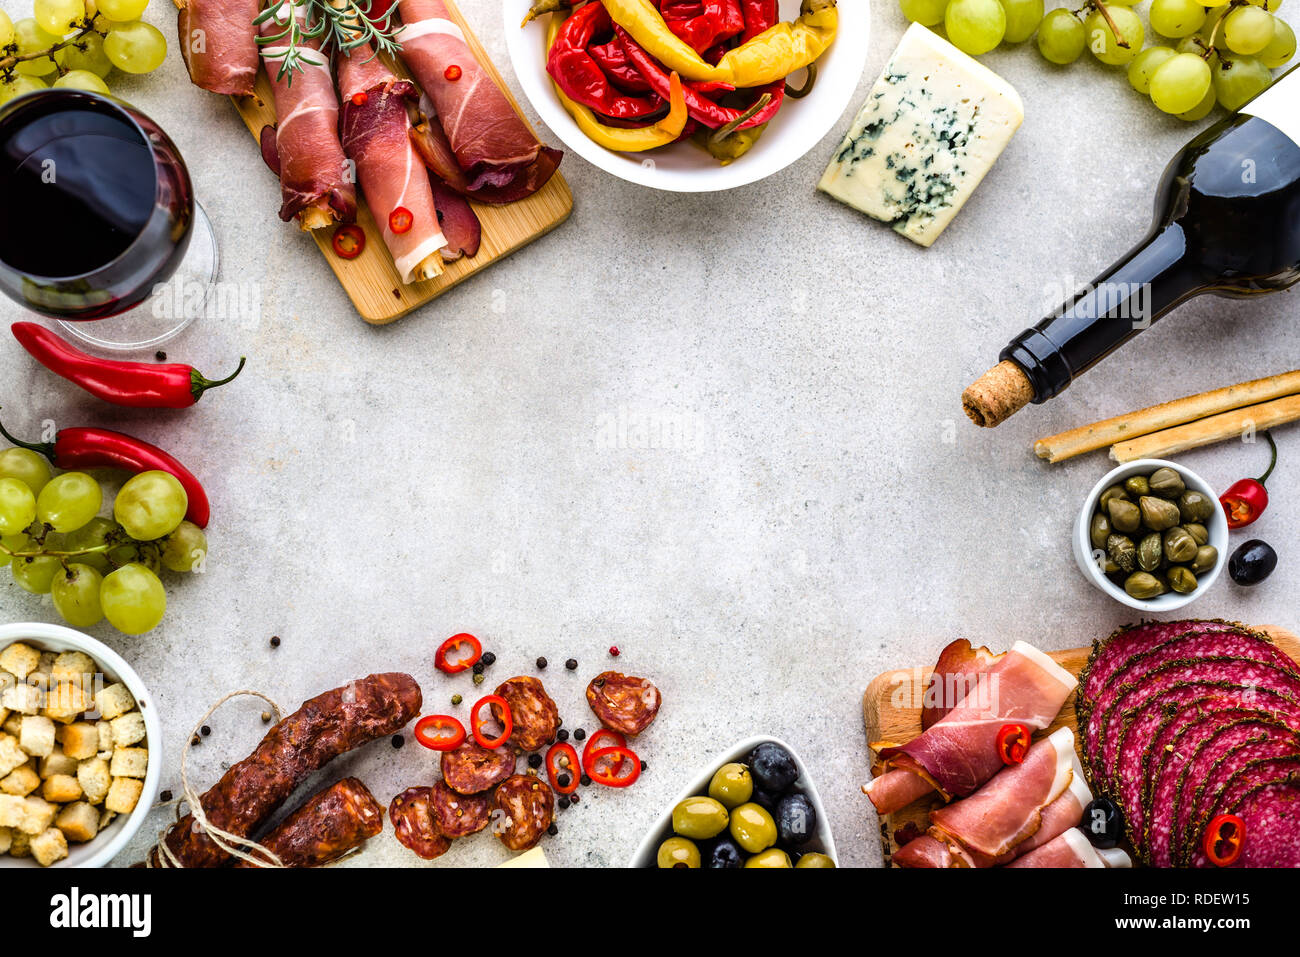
820 843
1083 552
682 168
108 842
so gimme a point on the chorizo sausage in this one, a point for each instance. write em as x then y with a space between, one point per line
458 815
536 717
328 825
471 769
623 703
412 815
525 807
323 728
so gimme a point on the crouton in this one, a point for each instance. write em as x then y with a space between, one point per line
38 814
21 781
114 701
20 845
22 698
79 822
128 729
49 846
6 839
105 729
94 778
57 763
37 736
123 795
73 665
66 701
20 659
129 763
13 725
80 740
11 755
12 810
61 789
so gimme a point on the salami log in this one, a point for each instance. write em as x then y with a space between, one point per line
525 807
473 769
459 815
413 822
623 703
323 728
328 825
536 717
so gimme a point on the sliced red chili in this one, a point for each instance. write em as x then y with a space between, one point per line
440 732
476 721
603 770
452 73
1224 839
562 761
401 220
1013 743
349 241
604 738
360 99
469 652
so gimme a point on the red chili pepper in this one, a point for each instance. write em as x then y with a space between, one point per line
105 449
1246 500
1013 743
563 759
349 241
703 23
360 99
1224 839
614 776
137 385
440 732
760 16
603 738
452 73
612 59
401 220
476 721
443 663
580 77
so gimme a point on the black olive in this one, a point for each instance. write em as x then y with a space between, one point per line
773 767
1252 562
796 819
766 800
1103 822
724 854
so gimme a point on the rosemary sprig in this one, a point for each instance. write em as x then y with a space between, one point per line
343 25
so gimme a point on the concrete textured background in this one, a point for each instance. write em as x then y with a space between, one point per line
497 462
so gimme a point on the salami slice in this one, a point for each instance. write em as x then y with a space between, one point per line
458 815
471 769
412 815
1272 816
535 716
1283 771
525 808
623 703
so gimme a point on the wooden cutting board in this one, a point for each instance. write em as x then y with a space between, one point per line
889 716
371 281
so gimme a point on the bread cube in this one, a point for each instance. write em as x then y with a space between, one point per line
74 665
22 698
20 659
4 714
6 839
94 778
106 818
80 740
11 754
123 795
21 781
79 822
114 701
57 763
128 729
61 789
67 701
105 729
49 846
13 725
38 814
20 845
129 763
12 810
37 736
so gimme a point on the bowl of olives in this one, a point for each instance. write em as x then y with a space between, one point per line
753 806
1152 535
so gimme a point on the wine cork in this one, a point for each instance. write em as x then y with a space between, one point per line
997 395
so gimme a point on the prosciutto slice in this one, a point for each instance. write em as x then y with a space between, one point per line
502 161
219 44
955 674
1072 849
958 753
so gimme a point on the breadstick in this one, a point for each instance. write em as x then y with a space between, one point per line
1217 428
1087 438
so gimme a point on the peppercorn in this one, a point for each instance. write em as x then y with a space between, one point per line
478 679
564 801
456 699
398 741
562 735
266 717
563 780
579 735
541 664
613 651
160 356
586 781
571 664
478 667
205 730
165 797
644 767
534 760
275 641
488 658
552 830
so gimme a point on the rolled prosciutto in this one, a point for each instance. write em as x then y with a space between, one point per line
316 181
496 157
955 673
958 753
1072 849
219 43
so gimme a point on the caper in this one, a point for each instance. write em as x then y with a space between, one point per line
1110 568
1166 483
1099 530
1195 507
1124 515
1143 585
677 852
1179 546
1121 550
1157 513
1181 580
1207 556
1150 551
1137 486
1199 532
700 818
1115 491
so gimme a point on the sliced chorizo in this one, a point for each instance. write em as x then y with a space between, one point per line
472 769
328 825
525 808
623 703
459 815
412 815
535 716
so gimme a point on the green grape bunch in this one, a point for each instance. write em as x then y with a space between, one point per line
56 542
76 44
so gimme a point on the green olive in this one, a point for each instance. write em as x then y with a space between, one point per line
1150 552
1179 545
699 818
1181 580
1099 530
1114 492
1199 532
1207 556
678 852
1125 517
772 857
732 785
1137 486
814 860
1157 513
1121 551
1144 585
753 828
1195 507
1166 483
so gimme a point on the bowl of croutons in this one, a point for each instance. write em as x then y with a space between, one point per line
77 778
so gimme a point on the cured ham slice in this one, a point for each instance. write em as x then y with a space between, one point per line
1062 814
502 161
1072 849
927 852
958 753
955 673
303 149
219 44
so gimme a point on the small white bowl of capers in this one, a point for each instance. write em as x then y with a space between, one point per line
1152 535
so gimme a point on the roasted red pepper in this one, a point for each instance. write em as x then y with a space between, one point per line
138 385
612 58
760 16
602 738
1013 743
562 759
614 767
349 240
105 449
444 661
1246 500
580 77
1224 839
440 732
476 721
703 24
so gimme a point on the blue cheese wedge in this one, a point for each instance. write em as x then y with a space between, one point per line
935 123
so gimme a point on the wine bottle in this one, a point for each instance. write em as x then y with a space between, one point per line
1227 222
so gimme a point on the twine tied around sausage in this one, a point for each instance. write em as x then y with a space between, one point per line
236 846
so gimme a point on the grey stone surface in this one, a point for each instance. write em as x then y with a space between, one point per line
722 432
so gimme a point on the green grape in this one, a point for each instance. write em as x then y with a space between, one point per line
925 12
1176 18
69 501
1248 30
135 47
92 59
1104 44
1061 37
1180 83
1023 18
151 505
1272 6
15 543
975 26
75 591
123 11
35 574
1282 48
17 85
26 466
6 29
98 531
1145 64
1238 79
1202 109
58 16
133 599
32 39
1195 45
17 506
186 549
81 80
147 554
